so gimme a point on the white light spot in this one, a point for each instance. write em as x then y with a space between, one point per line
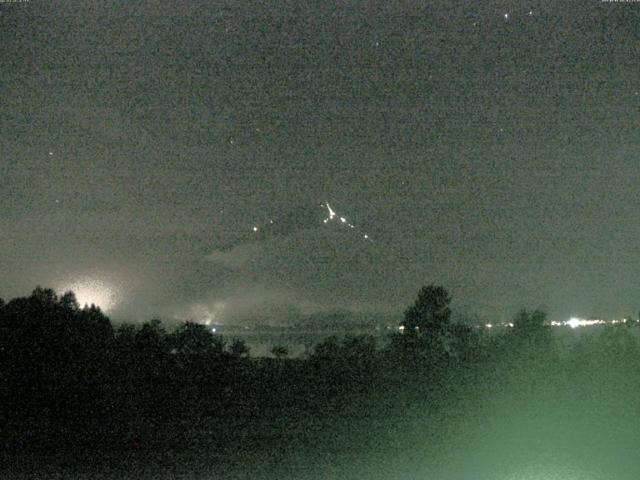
506 16
574 323
578 322
255 229
332 214
343 220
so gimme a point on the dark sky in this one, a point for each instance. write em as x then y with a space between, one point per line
488 146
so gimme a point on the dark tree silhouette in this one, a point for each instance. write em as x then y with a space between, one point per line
430 313
125 335
238 348
69 301
526 321
343 361
531 344
195 339
152 337
53 356
68 380
46 296
279 351
329 349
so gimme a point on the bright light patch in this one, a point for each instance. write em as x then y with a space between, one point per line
578 322
94 291
574 322
207 314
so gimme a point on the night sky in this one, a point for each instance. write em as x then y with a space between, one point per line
492 147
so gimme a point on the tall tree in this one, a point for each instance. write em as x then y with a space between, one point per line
430 313
70 302
526 321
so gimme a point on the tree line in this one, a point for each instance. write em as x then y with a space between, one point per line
69 377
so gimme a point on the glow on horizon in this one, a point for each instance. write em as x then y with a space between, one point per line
577 322
208 314
573 323
93 291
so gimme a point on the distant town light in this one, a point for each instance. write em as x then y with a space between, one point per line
573 323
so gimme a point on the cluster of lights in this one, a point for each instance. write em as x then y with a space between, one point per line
334 217
507 15
572 322
580 322
255 228
501 325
